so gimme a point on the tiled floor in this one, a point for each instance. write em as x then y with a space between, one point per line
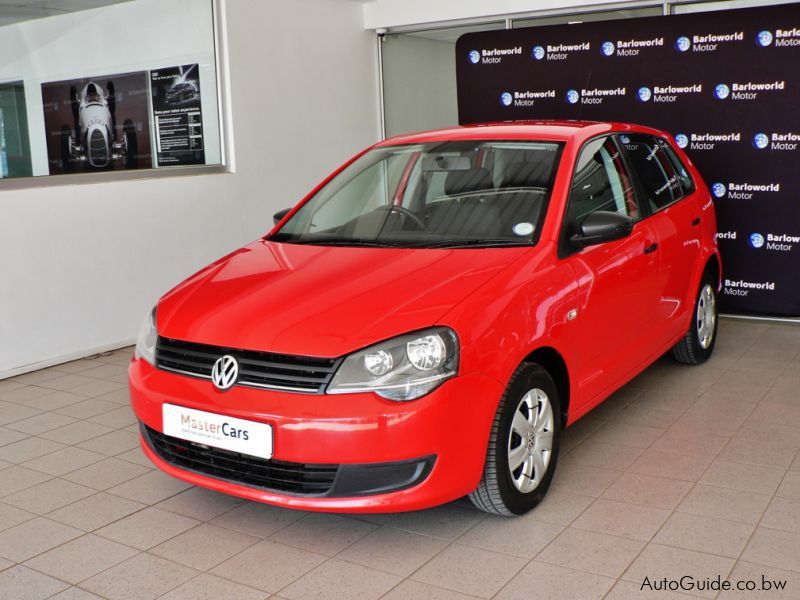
686 471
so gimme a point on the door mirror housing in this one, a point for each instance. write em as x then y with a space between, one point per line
278 216
600 227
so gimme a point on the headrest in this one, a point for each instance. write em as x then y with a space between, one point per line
472 180
526 174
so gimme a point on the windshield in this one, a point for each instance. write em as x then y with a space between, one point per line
442 194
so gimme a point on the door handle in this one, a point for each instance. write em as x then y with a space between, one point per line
651 248
696 221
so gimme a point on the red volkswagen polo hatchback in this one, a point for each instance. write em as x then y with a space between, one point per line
425 323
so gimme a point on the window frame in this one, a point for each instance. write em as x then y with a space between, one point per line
565 250
644 196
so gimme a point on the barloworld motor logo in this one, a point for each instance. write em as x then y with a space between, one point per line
683 44
722 91
764 38
537 52
682 140
756 240
506 98
608 48
624 139
761 140
719 190
572 96
644 94
474 57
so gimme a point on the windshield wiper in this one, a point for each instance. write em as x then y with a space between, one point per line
480 242
343 242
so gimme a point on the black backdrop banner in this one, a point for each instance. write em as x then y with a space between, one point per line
725 84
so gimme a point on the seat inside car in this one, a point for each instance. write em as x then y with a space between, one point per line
466 212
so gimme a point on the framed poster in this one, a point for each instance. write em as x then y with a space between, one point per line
98 124
177 115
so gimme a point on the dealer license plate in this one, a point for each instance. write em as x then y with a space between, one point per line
219 431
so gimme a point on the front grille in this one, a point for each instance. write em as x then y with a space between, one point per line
256 369
287 477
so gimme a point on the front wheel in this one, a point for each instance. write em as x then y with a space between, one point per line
523 447
698 344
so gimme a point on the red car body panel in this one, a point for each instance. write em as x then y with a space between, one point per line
503 303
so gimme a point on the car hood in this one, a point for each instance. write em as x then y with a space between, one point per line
322 300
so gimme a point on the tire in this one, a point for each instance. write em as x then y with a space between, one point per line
503 491
698 344
66 164
111 94
74 105
131 145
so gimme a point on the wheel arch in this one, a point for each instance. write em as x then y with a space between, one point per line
553 362
714 268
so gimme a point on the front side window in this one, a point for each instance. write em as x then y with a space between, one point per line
662 180
600 183
439 194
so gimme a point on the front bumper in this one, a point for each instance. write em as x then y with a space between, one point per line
451 424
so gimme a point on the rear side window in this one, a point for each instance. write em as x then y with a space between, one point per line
662 177
686 181
600 183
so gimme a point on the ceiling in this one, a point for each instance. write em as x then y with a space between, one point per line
14 11
451 34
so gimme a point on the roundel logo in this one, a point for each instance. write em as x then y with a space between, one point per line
537 52
756 240
644 94
624 139
506 98
683 43
225 372
573 96
719 190
764 38
722 91
474 57
608 48
761 140
681 140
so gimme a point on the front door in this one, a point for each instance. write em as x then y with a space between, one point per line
616 279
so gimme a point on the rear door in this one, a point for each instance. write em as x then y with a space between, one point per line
616 279
668 190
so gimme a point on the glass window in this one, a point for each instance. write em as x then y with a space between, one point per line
686 181
439 194
655 169
419 77
78 97
600 183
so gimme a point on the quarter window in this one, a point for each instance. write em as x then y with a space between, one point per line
600 183
663 178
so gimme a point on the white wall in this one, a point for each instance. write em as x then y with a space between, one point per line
81 263
397 13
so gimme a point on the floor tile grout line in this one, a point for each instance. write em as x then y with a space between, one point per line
694 485
672 512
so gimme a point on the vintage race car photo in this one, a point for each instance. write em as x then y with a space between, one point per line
93 140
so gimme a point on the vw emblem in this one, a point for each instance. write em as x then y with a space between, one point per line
225 372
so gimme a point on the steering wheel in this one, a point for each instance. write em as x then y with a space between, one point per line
406 213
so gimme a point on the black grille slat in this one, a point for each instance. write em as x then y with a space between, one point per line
256 368
295 478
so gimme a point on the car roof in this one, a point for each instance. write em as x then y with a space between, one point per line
544 130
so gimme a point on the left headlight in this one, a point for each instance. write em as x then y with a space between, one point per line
402 368
146 340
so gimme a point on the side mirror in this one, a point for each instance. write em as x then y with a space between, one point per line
600 227
278 216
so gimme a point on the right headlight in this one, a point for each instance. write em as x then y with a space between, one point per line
402 368
146 340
